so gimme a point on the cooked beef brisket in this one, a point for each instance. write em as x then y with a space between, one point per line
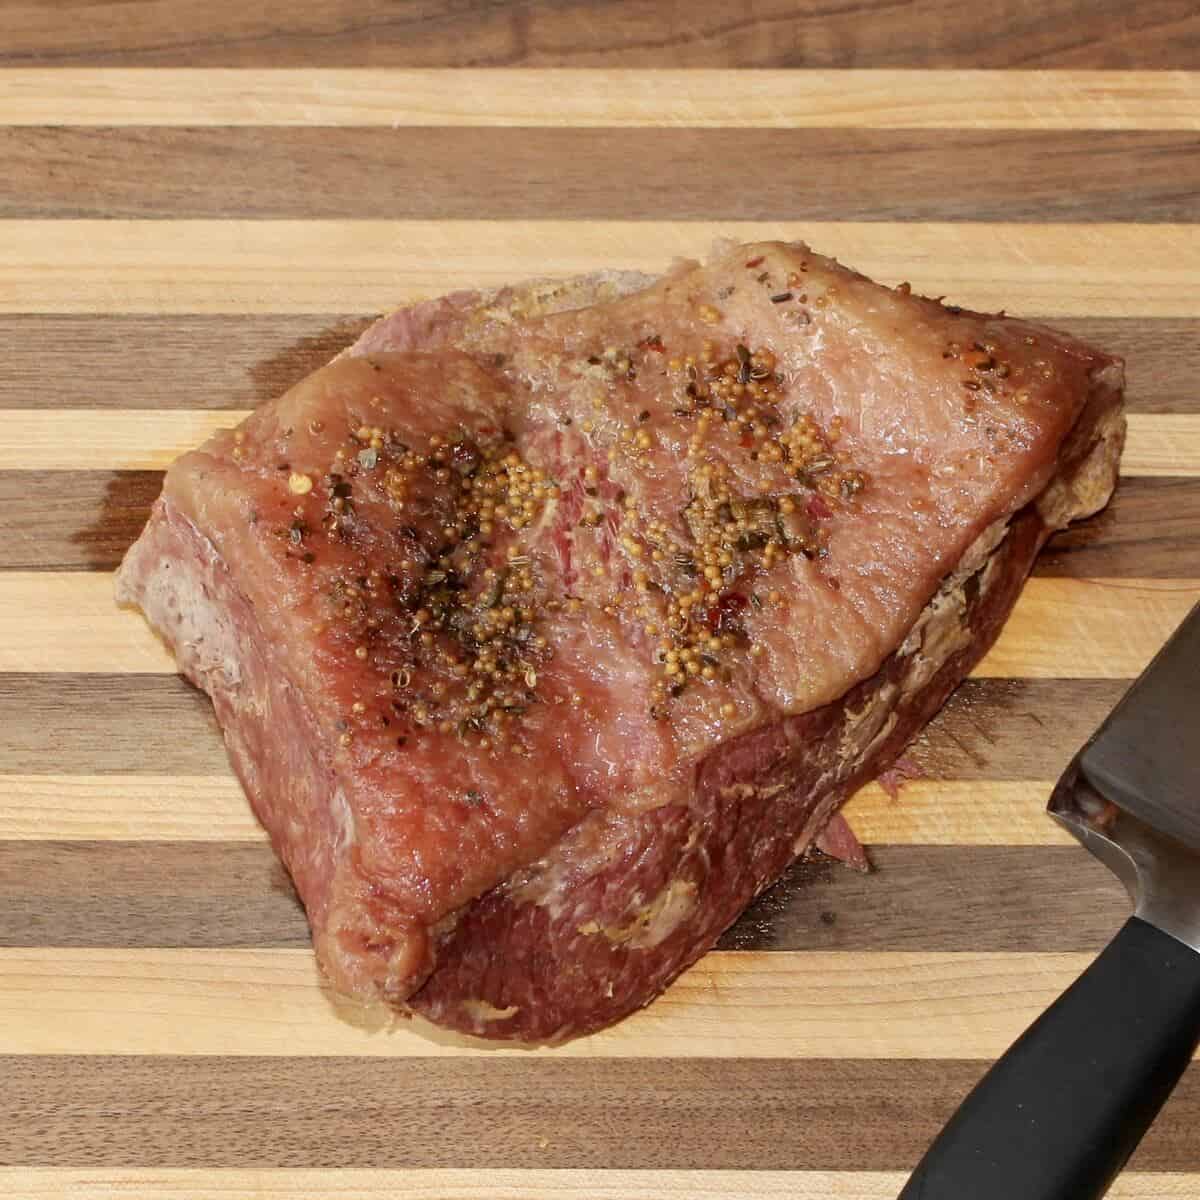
547 627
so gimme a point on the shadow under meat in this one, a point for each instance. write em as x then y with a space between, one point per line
273 375
94 517
117 515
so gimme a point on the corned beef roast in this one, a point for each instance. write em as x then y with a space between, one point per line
547 627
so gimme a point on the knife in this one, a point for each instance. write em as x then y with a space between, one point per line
1058 1116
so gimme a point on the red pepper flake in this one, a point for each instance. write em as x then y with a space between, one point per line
818 509
653 342
725 612
754 262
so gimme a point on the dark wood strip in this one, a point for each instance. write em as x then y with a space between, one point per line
92 724
953 899
919 898
579 33
72 520
134 361
147 894
107 725
1148 531
637 174
1160 374
805 1114
85 520
1013 728
218 362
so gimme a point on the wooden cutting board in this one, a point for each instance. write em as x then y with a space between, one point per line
180 241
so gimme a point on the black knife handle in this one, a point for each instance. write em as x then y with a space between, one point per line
1058 1116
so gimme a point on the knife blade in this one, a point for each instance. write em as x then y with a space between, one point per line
1138 759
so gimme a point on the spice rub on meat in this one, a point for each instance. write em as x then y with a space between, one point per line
546 627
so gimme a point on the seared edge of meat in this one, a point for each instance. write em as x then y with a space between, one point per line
364 942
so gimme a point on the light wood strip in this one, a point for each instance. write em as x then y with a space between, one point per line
1088 628
1162 443
107 440
876 1005
448 1183
56 439
1060 628
130 808
951 812
1096 270
70 622
203 808
606 98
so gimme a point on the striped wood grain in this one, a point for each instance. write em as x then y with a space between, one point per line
1061 628
1148 530
113 894
531 1112
165 1029
1112 627
745 1005
610 98
1161 444
595 33
448 1183
237 266
423 173
59 439
214 361
190 808
128 808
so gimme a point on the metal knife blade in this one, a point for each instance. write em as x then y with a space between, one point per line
1132 794
1146 757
